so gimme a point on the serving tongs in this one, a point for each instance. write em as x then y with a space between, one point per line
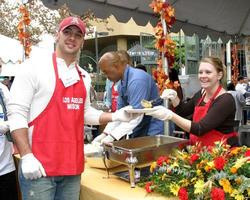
150 104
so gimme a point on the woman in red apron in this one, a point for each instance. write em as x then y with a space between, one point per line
212 108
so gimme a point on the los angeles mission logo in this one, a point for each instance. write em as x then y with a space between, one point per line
72 103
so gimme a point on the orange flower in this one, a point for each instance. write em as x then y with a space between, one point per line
233 170
235 151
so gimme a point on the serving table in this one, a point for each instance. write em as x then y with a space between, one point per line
95 185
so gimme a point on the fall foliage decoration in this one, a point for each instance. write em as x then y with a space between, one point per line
164 43
235 63
23 34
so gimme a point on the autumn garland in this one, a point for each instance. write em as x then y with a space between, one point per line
164 43
235 64
23 34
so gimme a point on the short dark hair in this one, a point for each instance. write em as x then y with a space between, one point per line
240 78
230 86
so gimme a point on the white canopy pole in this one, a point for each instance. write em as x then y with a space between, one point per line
165 68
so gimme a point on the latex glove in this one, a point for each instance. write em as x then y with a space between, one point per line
161 112
122 115
107 139
169 94
4 127
99 138
111 126
31 167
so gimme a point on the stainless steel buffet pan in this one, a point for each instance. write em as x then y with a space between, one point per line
141 150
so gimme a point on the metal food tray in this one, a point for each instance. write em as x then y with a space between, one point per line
140 150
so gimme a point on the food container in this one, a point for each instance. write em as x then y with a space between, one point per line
139 151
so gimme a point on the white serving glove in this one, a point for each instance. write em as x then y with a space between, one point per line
31 167
4 127
111 126
169 94
99 138
161 112
122 115
107 139
172 95
108 129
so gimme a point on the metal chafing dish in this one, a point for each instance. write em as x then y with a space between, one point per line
142 150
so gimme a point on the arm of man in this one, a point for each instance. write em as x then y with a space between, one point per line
20 137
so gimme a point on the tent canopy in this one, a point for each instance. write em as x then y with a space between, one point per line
216 18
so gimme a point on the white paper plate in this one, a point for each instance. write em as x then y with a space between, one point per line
144 110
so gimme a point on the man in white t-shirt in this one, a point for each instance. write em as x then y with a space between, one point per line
240 85
48 108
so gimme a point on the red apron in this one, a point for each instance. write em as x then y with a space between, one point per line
210 137
57 140
115 95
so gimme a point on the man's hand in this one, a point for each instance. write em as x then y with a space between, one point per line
162 113
31 167
99 138
169 94
122 115
107 139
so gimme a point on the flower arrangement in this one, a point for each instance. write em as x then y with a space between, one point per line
23 34
199 172
165 45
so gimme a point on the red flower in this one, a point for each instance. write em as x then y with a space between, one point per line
247 154
217 194
183 194
162 159
148 187
219 163
193 158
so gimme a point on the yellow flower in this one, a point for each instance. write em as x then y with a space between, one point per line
238 180
199 187
193 179
153 166
198 172
174 188
239 162
184 182
175 164
163 176
226 185
237 195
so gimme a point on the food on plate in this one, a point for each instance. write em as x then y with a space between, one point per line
152 103
146 104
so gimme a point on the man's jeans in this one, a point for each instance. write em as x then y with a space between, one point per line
50 188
